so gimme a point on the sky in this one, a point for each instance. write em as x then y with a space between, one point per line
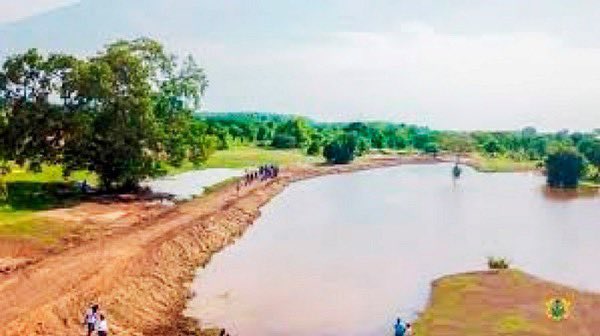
502 64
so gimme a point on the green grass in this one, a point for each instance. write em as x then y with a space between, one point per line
241 157
219 186
246 156
30 192
48 174
502 164
512 324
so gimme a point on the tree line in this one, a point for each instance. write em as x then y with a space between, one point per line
125 111
567 156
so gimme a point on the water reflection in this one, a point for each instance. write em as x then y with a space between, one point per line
347 254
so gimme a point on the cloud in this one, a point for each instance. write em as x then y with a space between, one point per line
417 62
11 11
414 75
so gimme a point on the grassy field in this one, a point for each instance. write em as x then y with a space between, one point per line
501 164
246 156
31 192
241 157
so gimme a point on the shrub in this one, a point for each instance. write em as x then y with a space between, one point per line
497 263
431 148
284 141
341 150
564 168
313 149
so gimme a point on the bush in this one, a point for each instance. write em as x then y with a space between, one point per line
341 150
431 148
313 149
564 168
497 263
284 141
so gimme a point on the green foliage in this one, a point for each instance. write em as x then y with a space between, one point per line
342 149
298 129
284 141
498 263
314 149
590 148
121 112
564 168
492 147
431 148
458 143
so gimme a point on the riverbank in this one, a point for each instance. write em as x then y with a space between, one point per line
140 274
504 302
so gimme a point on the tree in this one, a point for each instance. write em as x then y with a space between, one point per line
458 143
298 128
431 148
284 141
342 149
590 148
33 128
118 113
492 147
564 167
314 148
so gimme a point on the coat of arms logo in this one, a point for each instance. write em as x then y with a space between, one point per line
558 309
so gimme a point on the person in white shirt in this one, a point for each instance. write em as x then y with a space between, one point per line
90 319
409 330
102 326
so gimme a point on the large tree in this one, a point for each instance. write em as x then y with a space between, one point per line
118 113
564 167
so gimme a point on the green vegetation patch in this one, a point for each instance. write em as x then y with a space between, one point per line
25 224
241 157
447 302
499 164
512 324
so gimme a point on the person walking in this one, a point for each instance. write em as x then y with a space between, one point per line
91 318
102 326
399 328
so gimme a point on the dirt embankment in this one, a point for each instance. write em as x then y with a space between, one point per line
506 302
139 275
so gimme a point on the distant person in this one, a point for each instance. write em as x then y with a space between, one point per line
399 328
91 318
102 326
409 330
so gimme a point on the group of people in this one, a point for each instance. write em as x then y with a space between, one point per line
402 328
95 321
263 172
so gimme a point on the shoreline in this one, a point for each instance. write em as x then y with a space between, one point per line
144 274
145 284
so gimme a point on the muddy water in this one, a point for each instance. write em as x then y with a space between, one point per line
346 254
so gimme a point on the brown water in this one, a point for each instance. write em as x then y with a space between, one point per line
346 254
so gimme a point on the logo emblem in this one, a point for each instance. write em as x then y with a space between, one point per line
557 309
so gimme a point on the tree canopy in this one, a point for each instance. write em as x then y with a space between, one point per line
118 113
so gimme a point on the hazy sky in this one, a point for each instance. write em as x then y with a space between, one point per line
454 64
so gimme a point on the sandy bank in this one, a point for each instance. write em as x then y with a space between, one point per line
140 275
507 302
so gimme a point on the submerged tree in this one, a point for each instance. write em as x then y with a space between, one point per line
564 167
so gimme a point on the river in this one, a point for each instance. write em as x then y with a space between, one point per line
346 254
